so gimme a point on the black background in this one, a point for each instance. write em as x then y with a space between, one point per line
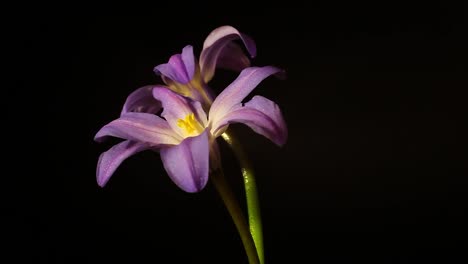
374 168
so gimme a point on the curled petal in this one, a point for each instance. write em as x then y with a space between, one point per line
187 164
140 127
232 57
218 50
142 100
239 89
110 160
260 114
180 68
177 107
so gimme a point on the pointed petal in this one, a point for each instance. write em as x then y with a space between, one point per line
180 68
140 127
177 107
189 61
261 114
110 160
187 164
142 100
216 51
239 89
174 69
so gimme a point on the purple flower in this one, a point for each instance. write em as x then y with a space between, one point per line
184 134
184 75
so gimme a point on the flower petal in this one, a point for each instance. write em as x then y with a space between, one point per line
180 68
260 114
189 61
142 100
140 127
177 107
215 51
238 90
110 160
187 164
232 57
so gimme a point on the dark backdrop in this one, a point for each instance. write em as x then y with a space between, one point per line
374 168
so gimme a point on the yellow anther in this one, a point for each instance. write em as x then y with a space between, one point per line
190 125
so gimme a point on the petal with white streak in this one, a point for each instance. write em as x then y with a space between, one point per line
261 115
187 164
140 127
218 50
110 160
238 90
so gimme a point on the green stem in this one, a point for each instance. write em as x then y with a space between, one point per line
221 185
253 208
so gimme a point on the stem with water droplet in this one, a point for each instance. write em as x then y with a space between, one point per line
253 208
221 185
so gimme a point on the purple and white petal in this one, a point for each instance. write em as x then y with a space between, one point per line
142 100
180 68
177 107
187 164
140 127
215 49
239 89
261 114
110 160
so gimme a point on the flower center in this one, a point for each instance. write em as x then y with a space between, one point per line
190 126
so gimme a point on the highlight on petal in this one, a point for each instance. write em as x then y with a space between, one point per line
187 164
239 89
218 50
177 108
180 68
141 127
142 100
225 31
110 160
261 115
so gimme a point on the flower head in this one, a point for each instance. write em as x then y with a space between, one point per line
189 77
185 134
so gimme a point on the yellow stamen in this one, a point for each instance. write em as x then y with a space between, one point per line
190 125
